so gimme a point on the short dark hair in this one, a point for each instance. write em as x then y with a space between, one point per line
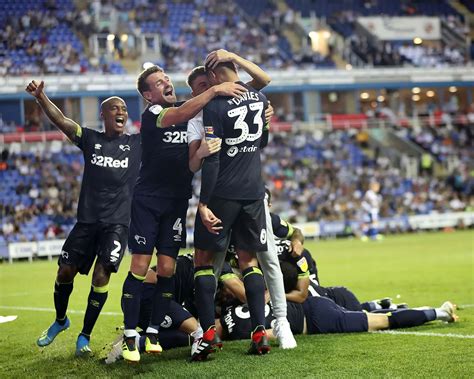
142 85
290 275
229 65
194 74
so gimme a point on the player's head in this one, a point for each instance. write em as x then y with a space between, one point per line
198 81
156 87
113 111
290 276
374 186
223 72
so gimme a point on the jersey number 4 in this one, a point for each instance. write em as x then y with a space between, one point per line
241 113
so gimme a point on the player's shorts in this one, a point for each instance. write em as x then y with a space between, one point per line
243 221
107 242
343 297
157 222
324 316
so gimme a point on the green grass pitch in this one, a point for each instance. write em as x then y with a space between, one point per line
420 269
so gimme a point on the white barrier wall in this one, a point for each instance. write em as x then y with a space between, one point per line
29 250
51 248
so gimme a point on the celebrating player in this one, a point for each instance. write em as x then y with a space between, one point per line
231 204
198 81
111 163
160 199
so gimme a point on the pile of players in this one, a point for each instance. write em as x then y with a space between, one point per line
136 189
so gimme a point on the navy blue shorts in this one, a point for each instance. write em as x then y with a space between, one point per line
173 319
159 223
324 316
243 222
343 297
107 242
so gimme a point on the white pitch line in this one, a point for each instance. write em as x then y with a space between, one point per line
72 311
427 334
466 306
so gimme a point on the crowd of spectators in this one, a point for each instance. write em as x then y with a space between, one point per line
39 194
45 38
318 176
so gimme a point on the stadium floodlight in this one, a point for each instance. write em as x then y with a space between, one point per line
417 41
430 93
416 97
416 90
147 65
453 89
110 37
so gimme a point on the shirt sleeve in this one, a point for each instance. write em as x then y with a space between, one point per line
196 128
80 137
281 228
210 167
153 115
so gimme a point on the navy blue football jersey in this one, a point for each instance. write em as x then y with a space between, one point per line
164 170
239 121
110 171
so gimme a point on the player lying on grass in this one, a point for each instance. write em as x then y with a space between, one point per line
290 248
111 160
322 315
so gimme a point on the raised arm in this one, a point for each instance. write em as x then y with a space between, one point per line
66 125
192 107
260 78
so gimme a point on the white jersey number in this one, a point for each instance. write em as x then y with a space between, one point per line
240 124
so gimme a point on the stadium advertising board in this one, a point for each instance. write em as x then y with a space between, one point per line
402 28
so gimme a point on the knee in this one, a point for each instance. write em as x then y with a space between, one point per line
166 267
66 274
101 278
203 258
140 264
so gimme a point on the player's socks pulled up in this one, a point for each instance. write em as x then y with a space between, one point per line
131 294
62 291
259 344
205 288
82 346
255 292
407 318
50 334
95 303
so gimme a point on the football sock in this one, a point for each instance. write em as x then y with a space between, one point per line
440 314
164 293
62 291
406 318
205 288
95 302
131 294
255 293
